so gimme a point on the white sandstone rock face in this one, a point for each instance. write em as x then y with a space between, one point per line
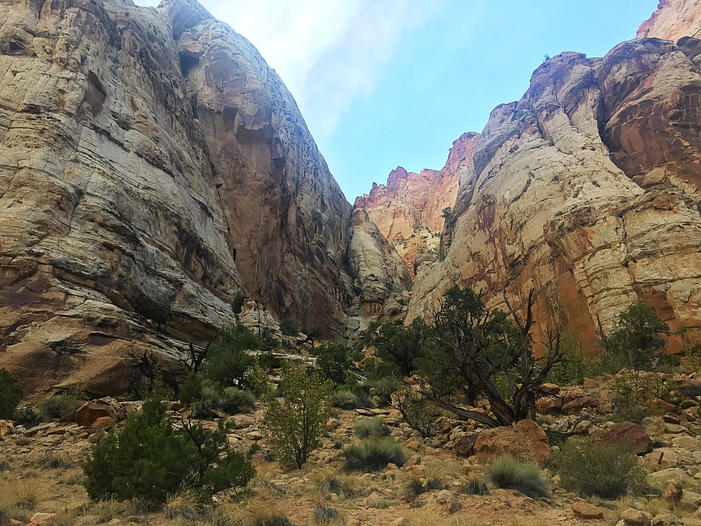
586 191
152 168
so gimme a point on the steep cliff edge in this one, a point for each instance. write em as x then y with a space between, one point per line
408 210
152 167
587 190
673 20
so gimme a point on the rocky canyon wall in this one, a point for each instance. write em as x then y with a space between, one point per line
587 190
408 210
152 168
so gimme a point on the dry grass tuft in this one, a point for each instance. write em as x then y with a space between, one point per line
184 504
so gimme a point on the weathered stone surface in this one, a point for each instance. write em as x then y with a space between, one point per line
673 20
633 517
525 440
374 262
584 510
91 411
408 210
152 168
6 427
587 191
628 434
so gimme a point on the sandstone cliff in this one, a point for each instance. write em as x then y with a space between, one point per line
408 210
673 20
152 167
587 190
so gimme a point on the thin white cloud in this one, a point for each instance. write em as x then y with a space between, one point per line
328 52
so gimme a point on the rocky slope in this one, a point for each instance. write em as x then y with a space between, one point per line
152 168
673 20
587 190
408 210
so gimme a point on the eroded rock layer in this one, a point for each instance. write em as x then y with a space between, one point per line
587 190
152 167
673 20
409 209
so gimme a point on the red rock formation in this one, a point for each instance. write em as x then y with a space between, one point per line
673 20
408 210
587 190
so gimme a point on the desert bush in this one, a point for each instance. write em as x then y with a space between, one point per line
691 359
373 454
191 388
149 459
27 416
334 361
508 473
368 427
418 412
473 351
474 486
10 394
324 514
345 399
296 422
635 388
184 504
287 327
384 389
214 397
597 469
574 365
400 346
637 341
343 485
257 378
60 406
227 362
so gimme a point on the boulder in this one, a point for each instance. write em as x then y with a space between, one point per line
42 519
666 519
587 511
464 444
102 422
633 517
628 434
90 411
525 440
6 427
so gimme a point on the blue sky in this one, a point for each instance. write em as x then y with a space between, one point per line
383 83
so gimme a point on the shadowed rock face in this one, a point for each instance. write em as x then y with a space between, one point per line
587 190
408 210
152 166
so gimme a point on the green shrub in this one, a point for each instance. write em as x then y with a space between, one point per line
368 427
474 486
288 328
230 400
637 341
257 378
597 469
60 407
373 454
334 361
385 388
296 422
227 362
574 366
149 459
191 388
508 473
10 394
27 416
402 346
344 399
